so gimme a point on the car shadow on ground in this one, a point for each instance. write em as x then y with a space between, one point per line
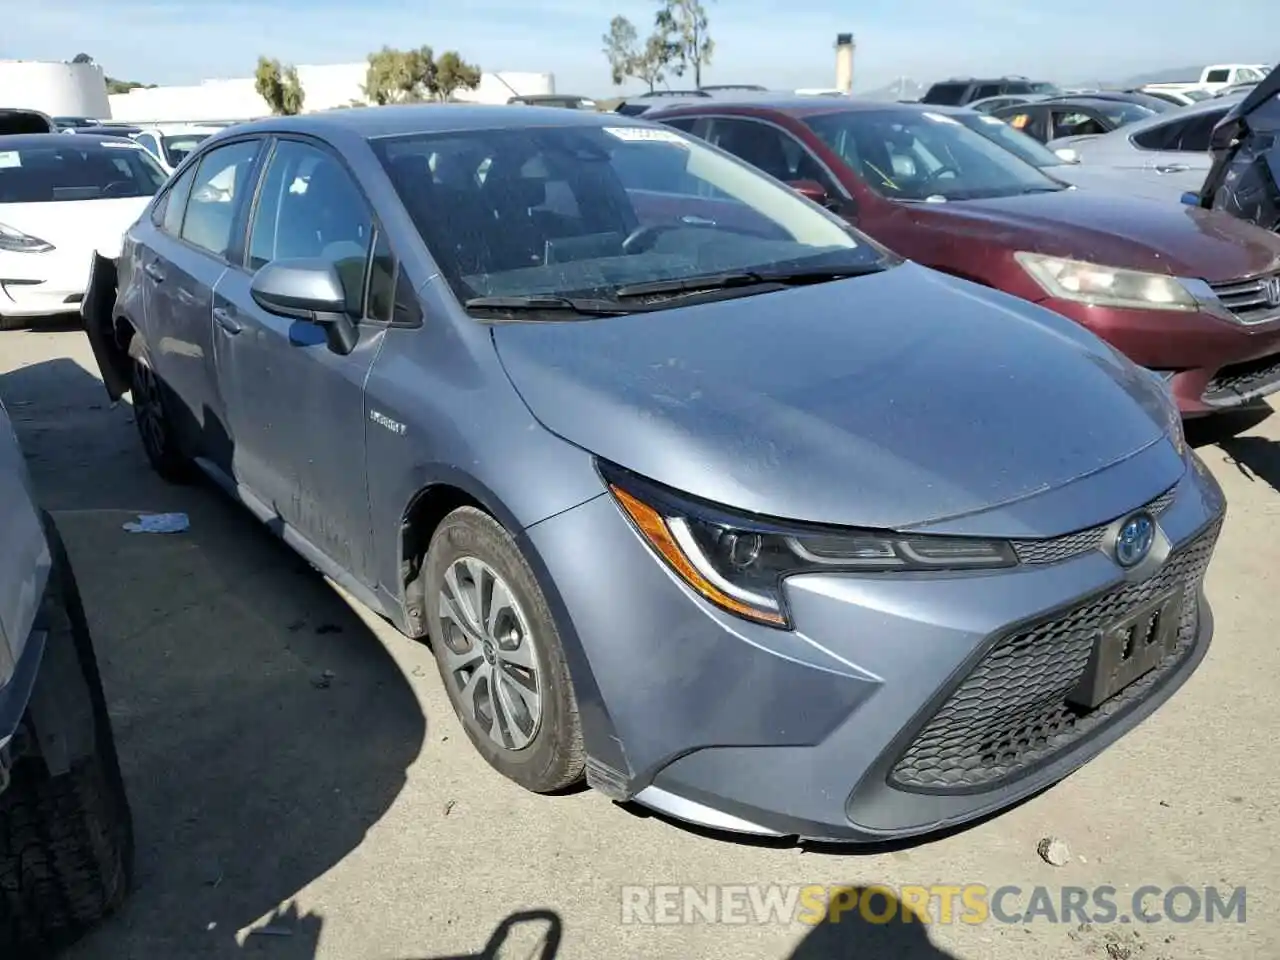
262 727
1257 458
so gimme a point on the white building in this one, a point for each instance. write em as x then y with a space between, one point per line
56 88
326 87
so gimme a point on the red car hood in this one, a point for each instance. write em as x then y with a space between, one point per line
1135 233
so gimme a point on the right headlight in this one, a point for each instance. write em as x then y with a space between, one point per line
13 240
1104 286
739 563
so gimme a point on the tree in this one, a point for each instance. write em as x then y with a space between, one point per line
269 84
82 58
686 22
628 59
292 96
401 76
453 73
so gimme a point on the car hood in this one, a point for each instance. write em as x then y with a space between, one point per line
886 401
79 225
1135 233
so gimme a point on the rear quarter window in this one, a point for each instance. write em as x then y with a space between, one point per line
1217 76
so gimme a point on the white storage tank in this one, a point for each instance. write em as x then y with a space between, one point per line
58 89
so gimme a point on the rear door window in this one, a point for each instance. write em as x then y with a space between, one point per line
221 180
1196 133
1163 136
1217 76
987 90
946 94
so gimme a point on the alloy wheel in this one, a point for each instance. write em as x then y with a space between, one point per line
489 654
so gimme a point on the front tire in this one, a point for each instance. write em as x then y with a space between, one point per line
500 655
66 842
152 414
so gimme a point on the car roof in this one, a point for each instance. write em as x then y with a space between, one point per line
373 123
795 105
1191 110
18 141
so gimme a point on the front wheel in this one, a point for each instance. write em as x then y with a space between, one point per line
500 655
152 413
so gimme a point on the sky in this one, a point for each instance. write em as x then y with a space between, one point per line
778 45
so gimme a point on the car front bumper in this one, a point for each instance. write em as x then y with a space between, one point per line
898 706
43 284
1212 364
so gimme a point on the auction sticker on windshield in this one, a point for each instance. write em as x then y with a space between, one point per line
10 158
644 134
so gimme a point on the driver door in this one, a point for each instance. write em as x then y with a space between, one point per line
296 408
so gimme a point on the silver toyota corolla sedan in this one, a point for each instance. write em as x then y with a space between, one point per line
697 491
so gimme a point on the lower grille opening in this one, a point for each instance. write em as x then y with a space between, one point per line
1018 707
1243 379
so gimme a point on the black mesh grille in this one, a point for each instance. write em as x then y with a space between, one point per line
1243 380
1011 711
1074 544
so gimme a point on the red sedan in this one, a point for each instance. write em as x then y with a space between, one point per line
1191 294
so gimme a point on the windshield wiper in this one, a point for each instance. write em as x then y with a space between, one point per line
744 278
551 304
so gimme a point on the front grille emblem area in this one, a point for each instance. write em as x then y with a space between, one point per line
1271 290
1134 539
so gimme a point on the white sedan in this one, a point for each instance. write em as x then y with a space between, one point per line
61 200
171 143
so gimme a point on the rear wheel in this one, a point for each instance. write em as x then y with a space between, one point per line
66 841
152 406
499 653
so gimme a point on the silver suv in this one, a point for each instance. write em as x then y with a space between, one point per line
66 833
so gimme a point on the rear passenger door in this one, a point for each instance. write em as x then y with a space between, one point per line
1179 148
200 222
296 409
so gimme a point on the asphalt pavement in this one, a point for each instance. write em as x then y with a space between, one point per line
295 769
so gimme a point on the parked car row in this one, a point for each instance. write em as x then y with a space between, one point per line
839 397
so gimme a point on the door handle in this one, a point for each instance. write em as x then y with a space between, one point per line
154 272
1172 168
226 321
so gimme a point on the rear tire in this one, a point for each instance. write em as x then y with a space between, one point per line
518 708
66 842
153 403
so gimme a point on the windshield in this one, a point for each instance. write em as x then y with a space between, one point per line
67 168
920 155
583 210
1197 95
177 146
1015 141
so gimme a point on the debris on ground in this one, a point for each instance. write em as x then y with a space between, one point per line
448 806
324 681
1054 852
159 523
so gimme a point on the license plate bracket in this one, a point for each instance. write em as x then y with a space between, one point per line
1130 648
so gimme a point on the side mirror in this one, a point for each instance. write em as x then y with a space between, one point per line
1067 154
810 190
309 290
813 190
